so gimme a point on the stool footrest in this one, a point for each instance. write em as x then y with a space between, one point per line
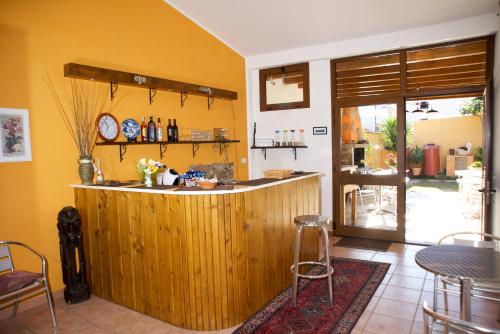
327 265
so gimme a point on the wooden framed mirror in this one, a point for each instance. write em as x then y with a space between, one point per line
284 87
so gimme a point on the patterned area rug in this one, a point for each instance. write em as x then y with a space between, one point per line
355 282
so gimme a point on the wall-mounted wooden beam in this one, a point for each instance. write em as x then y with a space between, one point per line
79 71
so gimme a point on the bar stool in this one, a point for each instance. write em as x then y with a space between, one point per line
322 223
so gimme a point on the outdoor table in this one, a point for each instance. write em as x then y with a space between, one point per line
463 263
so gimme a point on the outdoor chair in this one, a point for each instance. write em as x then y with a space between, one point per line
488 291
19 285
365 191
445 324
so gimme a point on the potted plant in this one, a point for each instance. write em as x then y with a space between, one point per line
416 160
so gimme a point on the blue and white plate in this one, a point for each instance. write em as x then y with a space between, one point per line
131 129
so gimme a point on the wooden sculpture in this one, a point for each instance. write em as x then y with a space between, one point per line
71 245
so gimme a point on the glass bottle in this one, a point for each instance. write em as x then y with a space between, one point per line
302 141
277 138
284 141
175 131
169 131
292 141
159 131
144 130
151 130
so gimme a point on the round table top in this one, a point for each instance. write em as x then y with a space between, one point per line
461 261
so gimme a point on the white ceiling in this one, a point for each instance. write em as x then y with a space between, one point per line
253 27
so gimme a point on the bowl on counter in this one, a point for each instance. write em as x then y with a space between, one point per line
207 185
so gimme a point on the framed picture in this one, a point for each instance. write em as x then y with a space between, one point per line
15 143
320 130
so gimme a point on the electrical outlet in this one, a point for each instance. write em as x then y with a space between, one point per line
243 161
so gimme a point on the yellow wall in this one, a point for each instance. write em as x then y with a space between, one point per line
448 133
147 36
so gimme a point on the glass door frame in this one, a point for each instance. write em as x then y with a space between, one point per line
398 180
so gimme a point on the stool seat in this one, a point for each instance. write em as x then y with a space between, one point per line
311 220
307 221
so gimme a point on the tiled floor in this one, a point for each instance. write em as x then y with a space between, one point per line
395 308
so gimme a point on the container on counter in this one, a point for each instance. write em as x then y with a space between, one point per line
284 140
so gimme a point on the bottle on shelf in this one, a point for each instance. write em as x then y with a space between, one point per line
284 140
159 131
302 141
151 130
175 131
292 141
99 179
169 131
144 130
277 138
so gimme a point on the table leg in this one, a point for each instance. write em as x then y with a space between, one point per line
465 299
354 198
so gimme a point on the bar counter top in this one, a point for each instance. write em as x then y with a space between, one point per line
178 190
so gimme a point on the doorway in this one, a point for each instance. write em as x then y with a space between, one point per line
375 193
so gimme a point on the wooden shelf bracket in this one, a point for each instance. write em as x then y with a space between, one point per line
196 147
113 86
163 150
210 101
184 97
264 153
123 149
152 94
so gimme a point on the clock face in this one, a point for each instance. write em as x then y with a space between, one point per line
107 127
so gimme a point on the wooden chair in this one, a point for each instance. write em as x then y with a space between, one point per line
445 324
19 285
489 291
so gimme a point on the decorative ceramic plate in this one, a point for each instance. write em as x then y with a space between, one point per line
131 129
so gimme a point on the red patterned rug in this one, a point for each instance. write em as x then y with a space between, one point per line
355 282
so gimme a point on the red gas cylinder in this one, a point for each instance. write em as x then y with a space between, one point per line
431 160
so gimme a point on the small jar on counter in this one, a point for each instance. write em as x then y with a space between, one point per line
277 138
284 141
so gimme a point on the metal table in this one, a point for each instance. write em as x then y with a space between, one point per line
464 263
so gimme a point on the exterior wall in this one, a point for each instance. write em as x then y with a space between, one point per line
448 133
149 37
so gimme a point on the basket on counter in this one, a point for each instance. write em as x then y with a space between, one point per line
277 173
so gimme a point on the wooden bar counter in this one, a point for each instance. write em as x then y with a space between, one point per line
203 260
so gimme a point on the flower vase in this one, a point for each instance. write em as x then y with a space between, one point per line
86 170
148 181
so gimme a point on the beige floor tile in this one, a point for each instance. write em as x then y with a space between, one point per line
358 254
371 305
408 261
406 282
417 328
379 323
401 294
363 319
379 290
387 278
410 271
409 253
386 258
9 326
395 308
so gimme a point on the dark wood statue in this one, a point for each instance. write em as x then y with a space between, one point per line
71 245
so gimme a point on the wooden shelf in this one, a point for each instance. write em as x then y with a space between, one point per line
163 145
265 148
115 78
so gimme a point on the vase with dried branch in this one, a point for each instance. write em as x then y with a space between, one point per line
79 112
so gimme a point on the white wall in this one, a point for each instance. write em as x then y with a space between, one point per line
318 156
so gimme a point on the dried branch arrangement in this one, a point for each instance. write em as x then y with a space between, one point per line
86 101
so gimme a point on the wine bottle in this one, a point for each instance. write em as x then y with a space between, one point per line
151 130
169 131
159 131
175 131
144 130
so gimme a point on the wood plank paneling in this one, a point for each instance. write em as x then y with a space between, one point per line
203 262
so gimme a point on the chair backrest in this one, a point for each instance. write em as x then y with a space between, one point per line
472 239
5 258
443 320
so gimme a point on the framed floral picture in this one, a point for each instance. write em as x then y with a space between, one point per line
15 143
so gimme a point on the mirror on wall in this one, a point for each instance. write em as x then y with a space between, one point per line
284 87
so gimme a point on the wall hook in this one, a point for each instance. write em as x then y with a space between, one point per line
152 94
163 149
113 86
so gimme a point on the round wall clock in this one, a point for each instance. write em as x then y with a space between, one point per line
107 127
